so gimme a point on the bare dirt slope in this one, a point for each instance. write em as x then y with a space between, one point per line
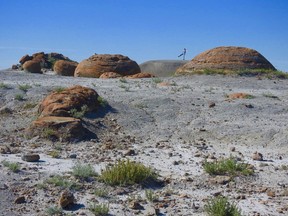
172 124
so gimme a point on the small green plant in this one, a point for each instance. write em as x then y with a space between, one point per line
58 89
24 87
99 209
60 181
227 167
3 86
48 133
125 87
79 114
19 97
83 171
102 101
55 154
126 172
101 192
13 166
54 210
220 206
156 80
150 196
29 105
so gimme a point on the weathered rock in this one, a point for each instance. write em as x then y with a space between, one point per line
58 128
66 199
239 96
65 68
32 66
257 156
30 157
220 180
108 75
141 75
20 200
226 58
61 103
99 64
25 58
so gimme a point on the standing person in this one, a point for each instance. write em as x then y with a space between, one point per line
183 54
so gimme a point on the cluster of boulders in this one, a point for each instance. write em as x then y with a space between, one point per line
41 61
58 117
226 58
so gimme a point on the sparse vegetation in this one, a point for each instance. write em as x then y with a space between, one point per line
3 86
60 181
13 166
19 97
102 101
54 210
227 167
48 133
123 80
54 154
156 80
59 89
29 105
79 114
220 206
101 192
150 196
126 172
270 95
24 87
125 87
83 171
99 209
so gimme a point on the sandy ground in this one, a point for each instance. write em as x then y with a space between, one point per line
170 126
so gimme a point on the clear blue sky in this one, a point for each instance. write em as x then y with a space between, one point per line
142 29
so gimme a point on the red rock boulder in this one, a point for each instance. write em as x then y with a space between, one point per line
65 68
109 75
96 65
74 98
32 66
227 59
25 58
141 75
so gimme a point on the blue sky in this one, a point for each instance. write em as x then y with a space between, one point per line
142 29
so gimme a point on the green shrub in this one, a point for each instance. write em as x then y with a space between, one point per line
220 206
227 166
54 210
101 192
48 133
79 114
83 171
19 97
102 101
150 196
59 89
13 166
3 86
126 172
24 87
123 80
29 105
60 181
99 209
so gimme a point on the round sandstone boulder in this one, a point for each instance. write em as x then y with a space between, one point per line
141 75
96 65
65 68
109 75
32 66
227 58
77 98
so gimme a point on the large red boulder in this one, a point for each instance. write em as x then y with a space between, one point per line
25 58
227 59
96 65
65 68
32 66
74 98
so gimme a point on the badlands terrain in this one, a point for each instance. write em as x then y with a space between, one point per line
170 124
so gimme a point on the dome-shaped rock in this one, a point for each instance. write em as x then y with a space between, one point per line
61 103
228 59
32 66
99 64
141 75
65 68
109 75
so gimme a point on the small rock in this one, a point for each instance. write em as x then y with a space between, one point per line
212 104
20 200
271 193
175 163
249 106
257 156
135 205
232 149
5 150
66 199
74 156
220 180
30 157
130 152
